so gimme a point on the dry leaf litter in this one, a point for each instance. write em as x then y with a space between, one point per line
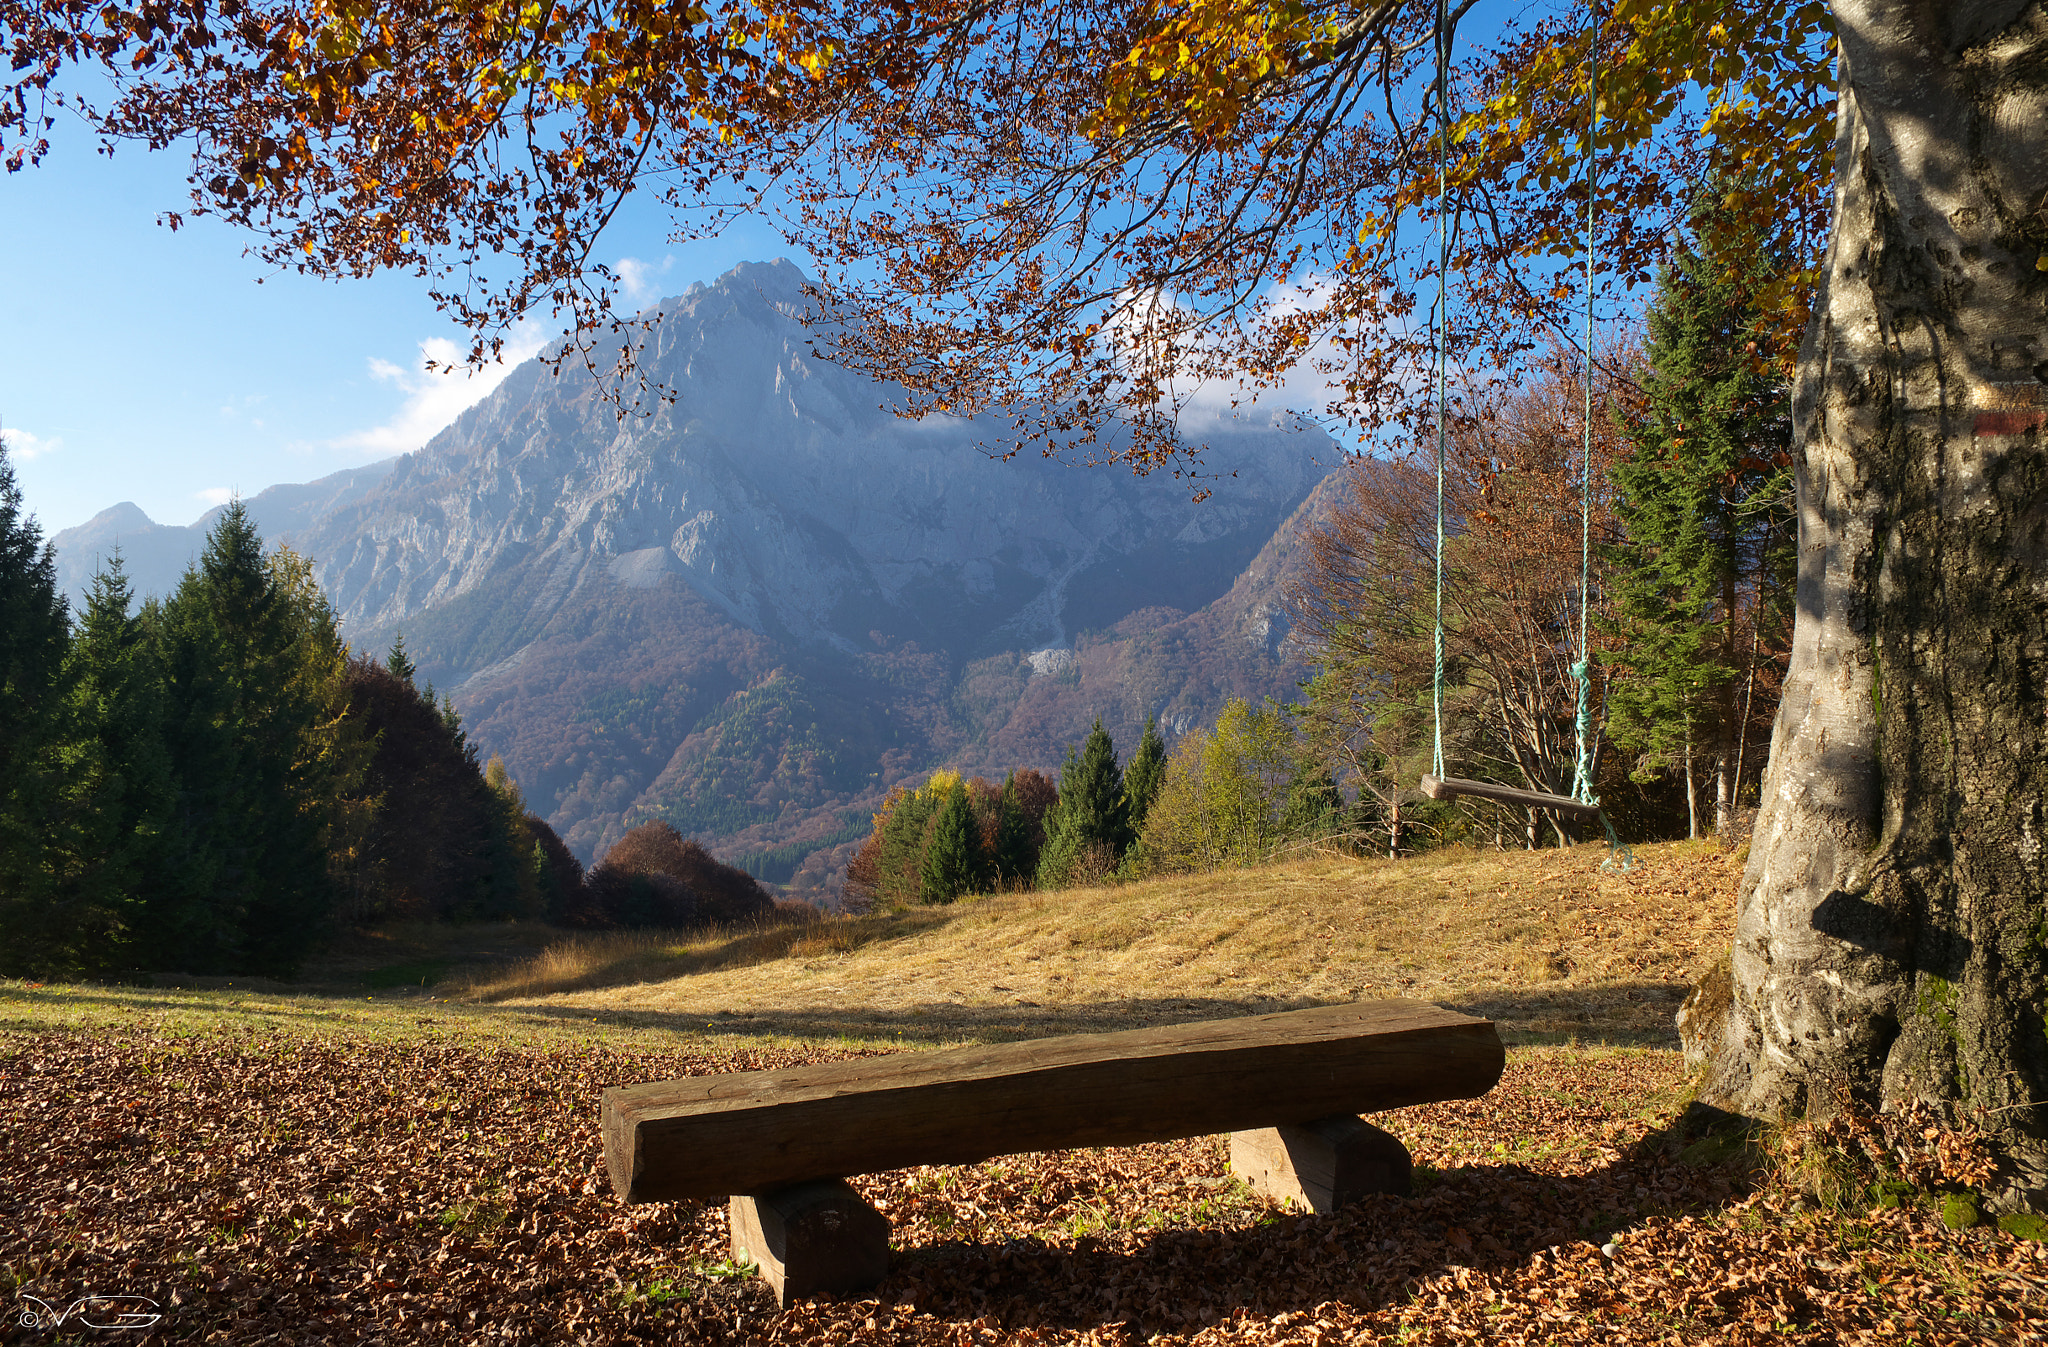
284 1189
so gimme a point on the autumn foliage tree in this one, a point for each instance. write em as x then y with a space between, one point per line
1366 600
654 876
1076 212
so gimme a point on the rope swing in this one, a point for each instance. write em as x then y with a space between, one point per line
1581 803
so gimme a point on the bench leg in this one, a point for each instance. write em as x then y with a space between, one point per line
811 1239
1321 1165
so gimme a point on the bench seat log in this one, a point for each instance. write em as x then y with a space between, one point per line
759 1131
1451 787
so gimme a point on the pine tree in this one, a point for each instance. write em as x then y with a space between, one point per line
1144 773
398 662
253 673
1092 816
33 633
1705 502
953 863
116 788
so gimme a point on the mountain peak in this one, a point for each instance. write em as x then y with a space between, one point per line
126 515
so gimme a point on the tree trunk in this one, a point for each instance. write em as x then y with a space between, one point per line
1890 929
1692 791
1725 756
1748 697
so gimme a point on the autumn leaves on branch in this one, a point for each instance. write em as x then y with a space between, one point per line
1071 214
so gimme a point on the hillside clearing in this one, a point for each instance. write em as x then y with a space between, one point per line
1546 943
367 1159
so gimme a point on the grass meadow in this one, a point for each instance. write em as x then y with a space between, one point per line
402 1147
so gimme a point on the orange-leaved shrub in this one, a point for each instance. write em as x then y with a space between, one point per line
653 876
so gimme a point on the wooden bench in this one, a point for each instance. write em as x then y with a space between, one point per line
1288 1087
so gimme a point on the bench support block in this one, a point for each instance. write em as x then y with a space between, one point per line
811 1239
1321 1165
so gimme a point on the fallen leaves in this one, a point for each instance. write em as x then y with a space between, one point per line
435 1191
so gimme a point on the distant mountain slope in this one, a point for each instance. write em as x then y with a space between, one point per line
778 490
754 610
156 555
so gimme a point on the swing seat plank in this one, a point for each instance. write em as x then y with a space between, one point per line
1451 787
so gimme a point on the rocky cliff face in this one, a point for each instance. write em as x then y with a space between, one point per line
777 489
758 607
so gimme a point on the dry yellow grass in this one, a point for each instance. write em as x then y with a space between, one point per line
1544 942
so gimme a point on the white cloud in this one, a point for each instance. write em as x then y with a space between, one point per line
435 397
1304 391
215 495
22 446
640 279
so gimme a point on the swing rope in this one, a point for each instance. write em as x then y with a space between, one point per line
1619 856
1582 781
1438 338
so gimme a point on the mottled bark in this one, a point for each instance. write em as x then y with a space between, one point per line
1891 927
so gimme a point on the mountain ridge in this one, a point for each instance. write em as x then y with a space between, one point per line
753 610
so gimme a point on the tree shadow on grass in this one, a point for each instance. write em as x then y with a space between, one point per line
1619 1015
1634 1014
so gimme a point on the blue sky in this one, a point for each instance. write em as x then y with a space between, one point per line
167 368
141 364
171 370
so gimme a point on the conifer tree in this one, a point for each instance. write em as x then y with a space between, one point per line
1014 856
953 863
515 889
398 662
116 786
1315 807
252 670
33 632
1092 814
1144 773
1705 503
431 853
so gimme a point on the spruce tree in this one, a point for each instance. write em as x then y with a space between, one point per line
1705 503
1144 773
1014 858
953 863
1315 808
398 662
435 852
903 833
1091 813
252 672
34 628
117 785
514 889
